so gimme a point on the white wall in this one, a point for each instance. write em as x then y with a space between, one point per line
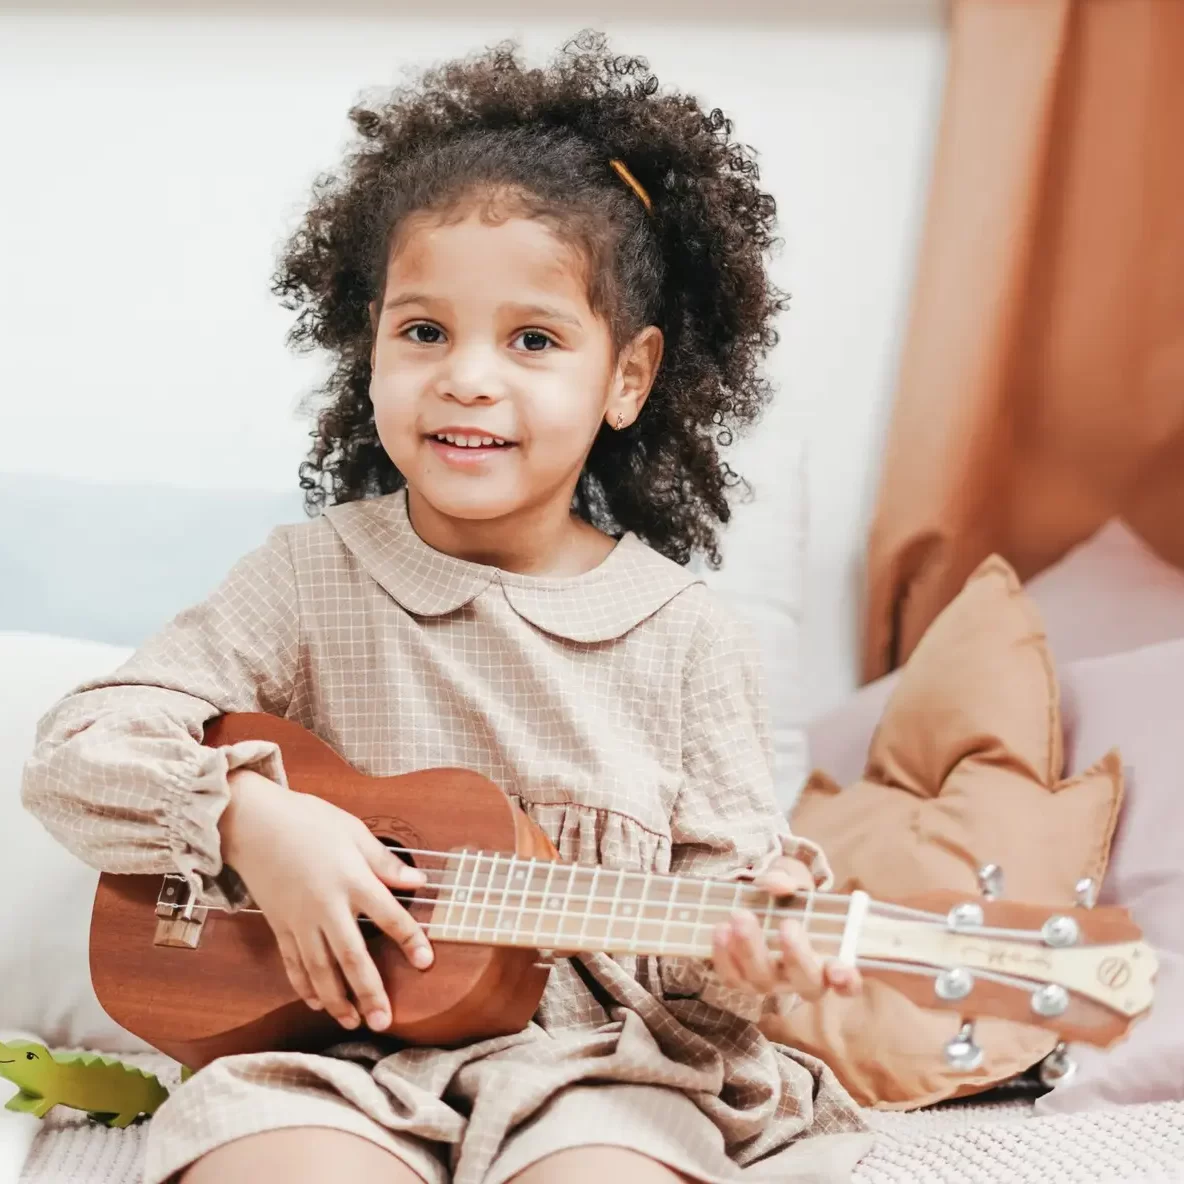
152 158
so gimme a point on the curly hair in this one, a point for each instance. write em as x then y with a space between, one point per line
693 266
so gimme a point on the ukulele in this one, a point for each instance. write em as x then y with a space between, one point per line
199 983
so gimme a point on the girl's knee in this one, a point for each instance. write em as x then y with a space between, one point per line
300 1155
592 1165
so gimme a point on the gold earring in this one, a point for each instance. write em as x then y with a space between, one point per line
620 421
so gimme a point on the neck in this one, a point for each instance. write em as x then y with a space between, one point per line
541 539
503 900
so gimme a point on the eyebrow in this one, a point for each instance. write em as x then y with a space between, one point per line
544 312
406 298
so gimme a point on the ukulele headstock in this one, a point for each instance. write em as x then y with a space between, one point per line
1084 974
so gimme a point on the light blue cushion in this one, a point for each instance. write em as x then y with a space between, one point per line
114 563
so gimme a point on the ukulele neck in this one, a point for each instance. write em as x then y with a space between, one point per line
501 900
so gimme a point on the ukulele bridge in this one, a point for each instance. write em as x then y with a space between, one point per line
179 918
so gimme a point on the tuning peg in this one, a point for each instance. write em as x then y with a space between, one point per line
961 1052
1085 893
1058 1067
967 915
990 881
1059 931
1050 1000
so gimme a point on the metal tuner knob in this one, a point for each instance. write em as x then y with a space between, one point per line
1058 1067
990 881
961 1052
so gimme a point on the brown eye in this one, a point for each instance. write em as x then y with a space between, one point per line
425 334
534 341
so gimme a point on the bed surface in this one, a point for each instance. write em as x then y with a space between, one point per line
995 1142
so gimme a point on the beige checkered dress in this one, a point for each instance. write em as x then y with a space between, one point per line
621 709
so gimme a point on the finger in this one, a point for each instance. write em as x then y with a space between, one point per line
751 953
294 967
722 961
326 980
845 980
400 926
781 883
389 868
355 962
786 878
801 968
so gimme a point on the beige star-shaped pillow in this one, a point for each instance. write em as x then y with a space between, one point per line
964 769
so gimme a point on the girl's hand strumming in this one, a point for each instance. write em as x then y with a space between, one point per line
742 959
313 869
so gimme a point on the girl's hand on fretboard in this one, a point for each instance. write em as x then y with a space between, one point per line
743 960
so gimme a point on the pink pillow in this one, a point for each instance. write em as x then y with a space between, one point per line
1135 701
1109 594
1132 701
838 741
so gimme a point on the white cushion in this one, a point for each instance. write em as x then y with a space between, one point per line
763 578
47 892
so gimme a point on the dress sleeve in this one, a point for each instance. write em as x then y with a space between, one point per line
118 772
726 822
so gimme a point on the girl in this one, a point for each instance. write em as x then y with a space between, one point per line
545 295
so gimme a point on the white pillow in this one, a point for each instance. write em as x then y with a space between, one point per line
47 892
763 577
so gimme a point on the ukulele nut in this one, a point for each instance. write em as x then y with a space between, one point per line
1060 931
965 916
1050 1000
1085 893
961 1052
955 983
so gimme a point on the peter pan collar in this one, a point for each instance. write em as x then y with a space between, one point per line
631 584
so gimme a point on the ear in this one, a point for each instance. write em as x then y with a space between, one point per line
374 314
637 367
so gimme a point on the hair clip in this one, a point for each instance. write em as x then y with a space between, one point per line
633 183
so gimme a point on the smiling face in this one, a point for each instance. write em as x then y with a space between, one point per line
491 373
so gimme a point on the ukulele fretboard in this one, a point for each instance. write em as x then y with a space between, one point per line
502 900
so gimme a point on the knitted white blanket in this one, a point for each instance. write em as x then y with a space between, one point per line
1000 1143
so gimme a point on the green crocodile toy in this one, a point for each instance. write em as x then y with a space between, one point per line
104 1087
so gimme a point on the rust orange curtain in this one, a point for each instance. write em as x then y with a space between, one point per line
1041 388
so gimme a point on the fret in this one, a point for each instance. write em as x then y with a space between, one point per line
507 867
453 894
543 905
808 913
695 943
664 930
466 896
584 936
635 942
566 903
769 925
610 933
523 876
480 896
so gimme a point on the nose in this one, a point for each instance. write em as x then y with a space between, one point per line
473 374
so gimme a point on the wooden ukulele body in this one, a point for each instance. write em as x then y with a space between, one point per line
230 994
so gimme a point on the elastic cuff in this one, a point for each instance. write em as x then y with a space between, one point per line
196 806
792 847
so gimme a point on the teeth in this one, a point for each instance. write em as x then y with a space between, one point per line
469 441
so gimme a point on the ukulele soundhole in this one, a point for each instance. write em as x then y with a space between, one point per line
385 830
